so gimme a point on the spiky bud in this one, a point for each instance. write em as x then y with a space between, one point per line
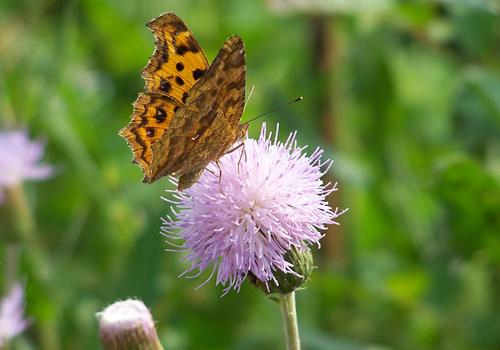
287 282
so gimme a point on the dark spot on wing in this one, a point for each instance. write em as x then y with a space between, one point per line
198 73
150 132
237 61
181 50
206 121
193 46
178 27
179 66
229 102
184 97
179 81
165 86
238 84
164 54
161 115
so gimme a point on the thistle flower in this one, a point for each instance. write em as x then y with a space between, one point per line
12 320
19 159
269 199
128 325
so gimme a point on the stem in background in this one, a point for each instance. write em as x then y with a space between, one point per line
37 258
11 266
289 313
26 232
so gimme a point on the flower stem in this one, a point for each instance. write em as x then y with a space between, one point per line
289 313
26 230
38 261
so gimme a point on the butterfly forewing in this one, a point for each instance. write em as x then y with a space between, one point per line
178 61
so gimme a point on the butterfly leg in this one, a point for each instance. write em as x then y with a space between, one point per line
235 148
213 172
242 144
220 177
241 156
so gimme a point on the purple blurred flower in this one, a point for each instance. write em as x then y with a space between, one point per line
19 159
272 198
127 325
12 320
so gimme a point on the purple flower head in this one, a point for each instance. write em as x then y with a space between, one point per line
19 159
12 320
270 198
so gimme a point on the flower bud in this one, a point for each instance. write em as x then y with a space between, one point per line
287 282
128 325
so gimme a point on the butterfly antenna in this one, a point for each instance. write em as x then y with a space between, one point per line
274 110
248 99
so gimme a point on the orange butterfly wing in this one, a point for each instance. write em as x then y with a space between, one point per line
173 69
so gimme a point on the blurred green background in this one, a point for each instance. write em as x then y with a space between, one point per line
403 95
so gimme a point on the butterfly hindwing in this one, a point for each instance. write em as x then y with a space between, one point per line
152 114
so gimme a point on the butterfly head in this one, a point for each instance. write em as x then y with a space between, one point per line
242 132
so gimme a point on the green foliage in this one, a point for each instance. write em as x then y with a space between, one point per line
404 95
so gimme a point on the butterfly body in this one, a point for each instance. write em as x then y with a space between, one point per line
190 114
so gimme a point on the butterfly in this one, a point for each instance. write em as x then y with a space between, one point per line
190 113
